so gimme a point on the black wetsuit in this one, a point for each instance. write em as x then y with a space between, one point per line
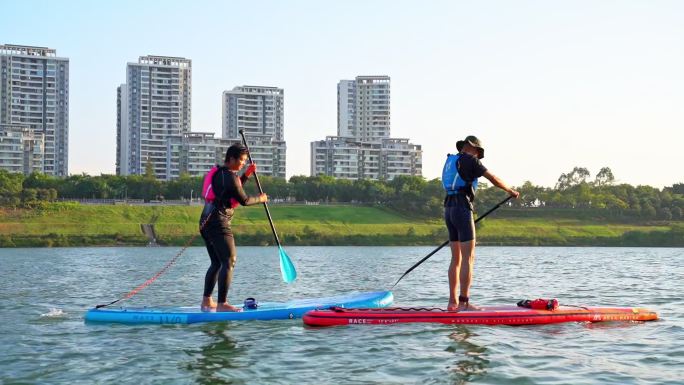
217 233
458 208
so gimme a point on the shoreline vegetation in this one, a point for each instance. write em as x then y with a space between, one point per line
70 224
36 211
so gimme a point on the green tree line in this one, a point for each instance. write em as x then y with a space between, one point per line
574 191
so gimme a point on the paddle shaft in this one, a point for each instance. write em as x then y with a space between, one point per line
447 242
261 191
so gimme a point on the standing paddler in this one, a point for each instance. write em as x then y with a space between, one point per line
215 224
459 179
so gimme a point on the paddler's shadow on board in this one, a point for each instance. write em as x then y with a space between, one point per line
471 362
212 362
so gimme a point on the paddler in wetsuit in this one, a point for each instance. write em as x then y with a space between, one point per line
459 179
217 233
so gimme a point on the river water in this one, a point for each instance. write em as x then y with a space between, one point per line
45 292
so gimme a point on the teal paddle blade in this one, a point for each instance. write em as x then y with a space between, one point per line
287 269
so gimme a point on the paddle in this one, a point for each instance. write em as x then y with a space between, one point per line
447 242
287 269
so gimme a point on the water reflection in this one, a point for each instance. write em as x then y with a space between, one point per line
472 359
613 325
215 360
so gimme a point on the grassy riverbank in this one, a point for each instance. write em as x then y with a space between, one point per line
70 224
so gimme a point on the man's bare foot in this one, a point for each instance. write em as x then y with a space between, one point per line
227 307
466 306
453 306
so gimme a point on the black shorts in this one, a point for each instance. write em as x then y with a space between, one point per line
459 222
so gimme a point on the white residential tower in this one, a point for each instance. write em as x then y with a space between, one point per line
363 147
259 111
34 94
153 106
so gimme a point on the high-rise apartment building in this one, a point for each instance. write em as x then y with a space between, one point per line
363 108
347 158
123 142
399 157
259 111
363 147
152 106
194 153
21 149
34 93
346 108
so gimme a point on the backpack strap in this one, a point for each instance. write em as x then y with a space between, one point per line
468 188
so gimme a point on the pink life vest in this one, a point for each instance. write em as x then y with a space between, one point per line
208 192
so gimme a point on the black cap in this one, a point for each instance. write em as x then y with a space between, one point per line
473 141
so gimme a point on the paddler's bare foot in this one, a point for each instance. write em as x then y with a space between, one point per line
466 306
453 306
208 304
227 307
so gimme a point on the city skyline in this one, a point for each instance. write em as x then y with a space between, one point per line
561 85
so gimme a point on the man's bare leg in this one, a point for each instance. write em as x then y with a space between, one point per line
466 274
454 268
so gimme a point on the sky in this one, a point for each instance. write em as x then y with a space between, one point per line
545 85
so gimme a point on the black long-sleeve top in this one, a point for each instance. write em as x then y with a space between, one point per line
227 186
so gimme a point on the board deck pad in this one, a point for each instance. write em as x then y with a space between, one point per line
265 311
487 315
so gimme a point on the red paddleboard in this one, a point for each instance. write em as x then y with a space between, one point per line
488 315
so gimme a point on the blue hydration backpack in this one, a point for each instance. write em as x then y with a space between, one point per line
451 179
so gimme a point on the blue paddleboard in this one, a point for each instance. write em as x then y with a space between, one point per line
264 311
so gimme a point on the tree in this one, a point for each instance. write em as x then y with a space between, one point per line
577 176
10 187
664 213
40 180
183 187
29 195
315 188
149 170
86 186
371 191
678 188
604 177
676 213
276 188
530 195
43 194
140 187
52 194
648 211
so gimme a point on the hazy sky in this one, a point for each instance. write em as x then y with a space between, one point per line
546 85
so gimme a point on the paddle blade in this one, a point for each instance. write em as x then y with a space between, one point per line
287 269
